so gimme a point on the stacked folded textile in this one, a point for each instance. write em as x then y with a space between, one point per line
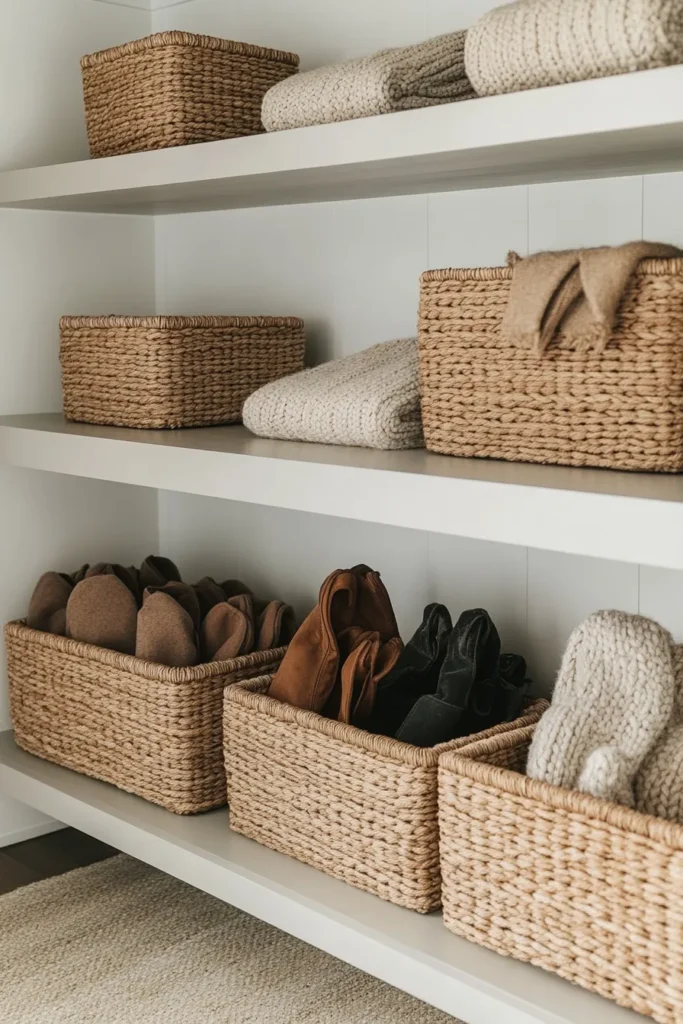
403 78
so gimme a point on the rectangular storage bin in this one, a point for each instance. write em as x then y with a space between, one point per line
149 729
619 409
358 806
175 89
172 371
585 888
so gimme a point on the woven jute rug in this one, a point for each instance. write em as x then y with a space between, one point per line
122 943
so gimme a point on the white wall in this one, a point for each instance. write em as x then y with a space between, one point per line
51 264
351 270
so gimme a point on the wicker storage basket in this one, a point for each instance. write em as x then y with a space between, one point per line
172 371
622 409
585 888
358 806
175 89
148 729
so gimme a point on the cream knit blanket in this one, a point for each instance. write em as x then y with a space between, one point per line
398 79
532 43
370 399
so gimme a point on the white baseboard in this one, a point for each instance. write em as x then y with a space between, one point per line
20 835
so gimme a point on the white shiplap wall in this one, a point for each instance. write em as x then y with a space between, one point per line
351 270
51 264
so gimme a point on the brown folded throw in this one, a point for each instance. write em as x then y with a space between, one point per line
576 291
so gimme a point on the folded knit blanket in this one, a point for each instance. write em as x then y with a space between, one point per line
398 79
534 43
370 399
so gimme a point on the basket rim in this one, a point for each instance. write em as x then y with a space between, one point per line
662 267
188 39
137 666
465 762
179 322
384 746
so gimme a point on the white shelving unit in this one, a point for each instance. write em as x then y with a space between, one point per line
610 127
411 951
630 517
629 124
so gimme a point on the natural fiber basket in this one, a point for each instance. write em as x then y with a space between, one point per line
358 806
149 729
583 887
175 89
621 409
172 371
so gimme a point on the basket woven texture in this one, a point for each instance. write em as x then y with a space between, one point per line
585 888
149 729
361 807
175 89
620 409
172 371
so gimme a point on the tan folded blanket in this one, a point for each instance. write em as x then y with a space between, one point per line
577 292
422 75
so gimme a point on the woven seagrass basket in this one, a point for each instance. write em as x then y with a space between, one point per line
172 371
149 729
361 807
585 888
175 89
619 409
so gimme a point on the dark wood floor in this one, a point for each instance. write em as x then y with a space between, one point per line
48 855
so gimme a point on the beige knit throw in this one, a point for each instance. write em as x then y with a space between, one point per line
533 43
612 702
576 292
398 79
370 399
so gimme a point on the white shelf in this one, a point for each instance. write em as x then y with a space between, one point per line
413 952
623 516
627 124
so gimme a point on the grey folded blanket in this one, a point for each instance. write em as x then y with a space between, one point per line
404 78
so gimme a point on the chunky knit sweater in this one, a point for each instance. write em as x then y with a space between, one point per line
369 399
399 79
532 43
613 698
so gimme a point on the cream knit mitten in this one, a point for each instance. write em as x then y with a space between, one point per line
612 700
659 783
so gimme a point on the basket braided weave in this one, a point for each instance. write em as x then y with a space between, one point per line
172 371
358 806
585 888
175 89
621 409
149 729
